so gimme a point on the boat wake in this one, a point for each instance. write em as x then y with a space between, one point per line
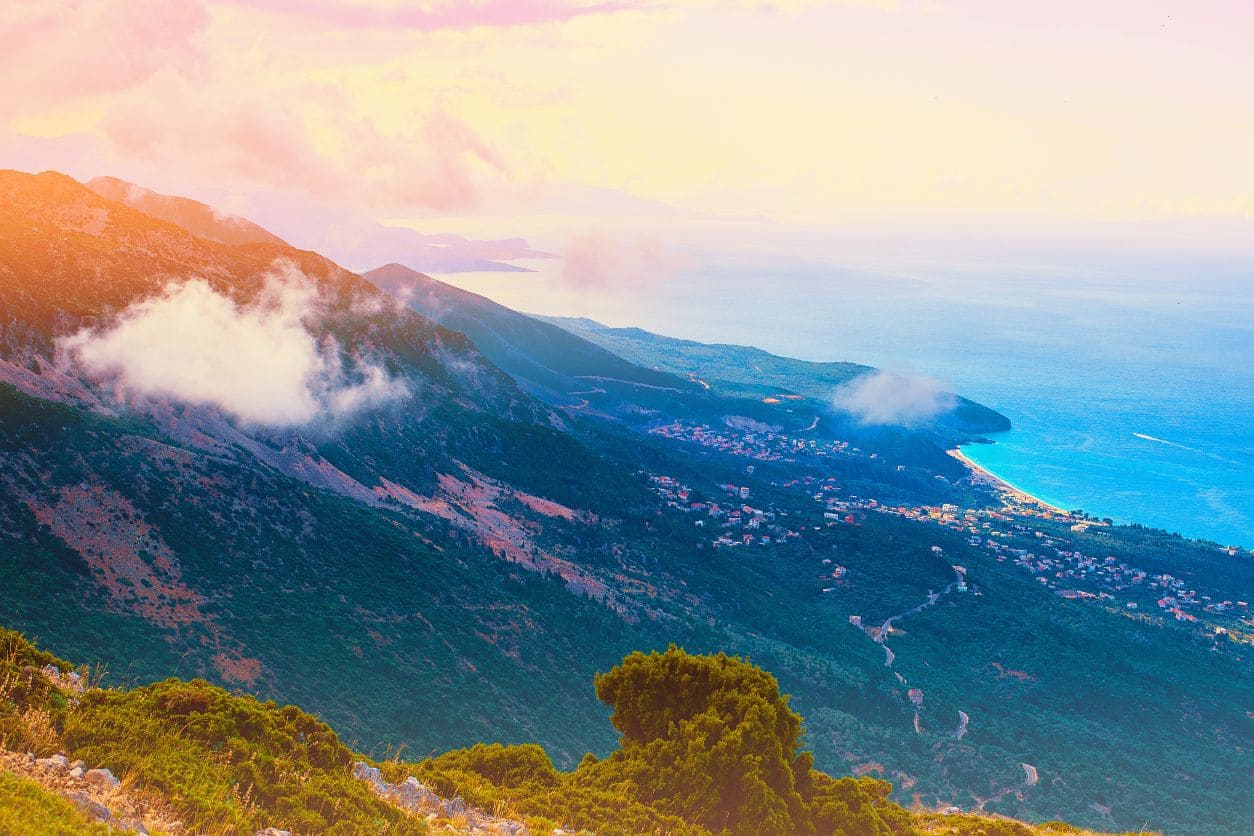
1187 448
1165 441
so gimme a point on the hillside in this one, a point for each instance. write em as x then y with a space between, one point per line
745 371
401 527
547 361
569 372
677 379
164 525
183 757
197 218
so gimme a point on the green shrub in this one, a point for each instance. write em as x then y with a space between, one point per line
26 807
228 761
708 745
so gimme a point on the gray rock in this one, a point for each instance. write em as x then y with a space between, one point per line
76 772
93 809
413 794
56 763
102 779
77 765
453 807
366 772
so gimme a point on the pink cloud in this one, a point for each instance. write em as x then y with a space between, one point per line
595 261
439 162
447 14
64 49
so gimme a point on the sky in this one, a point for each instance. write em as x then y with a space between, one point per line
661 124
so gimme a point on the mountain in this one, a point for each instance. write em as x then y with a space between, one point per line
347 237
358 240
245 463
545 360
176 534
580 370
751 372
197 218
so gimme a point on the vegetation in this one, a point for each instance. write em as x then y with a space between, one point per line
25 805
747 372
168 541
228 763
708 746
422 618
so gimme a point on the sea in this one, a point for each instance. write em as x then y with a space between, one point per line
1130 387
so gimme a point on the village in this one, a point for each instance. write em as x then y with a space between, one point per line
1009 534
764 445
736 522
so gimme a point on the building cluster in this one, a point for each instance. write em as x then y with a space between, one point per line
732 522
1008 534
1064 568
763 446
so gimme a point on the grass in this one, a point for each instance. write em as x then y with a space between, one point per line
26 807
230 763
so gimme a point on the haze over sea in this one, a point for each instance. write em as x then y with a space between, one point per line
1131 391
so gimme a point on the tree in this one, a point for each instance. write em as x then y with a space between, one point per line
708 738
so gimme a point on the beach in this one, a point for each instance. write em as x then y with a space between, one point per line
1002 486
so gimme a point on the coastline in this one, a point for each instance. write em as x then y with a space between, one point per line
985 475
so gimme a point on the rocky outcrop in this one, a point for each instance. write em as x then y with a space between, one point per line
416 797
97 793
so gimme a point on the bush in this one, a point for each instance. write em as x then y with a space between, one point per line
708 745
230 762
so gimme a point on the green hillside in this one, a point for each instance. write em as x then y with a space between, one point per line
744 371
708 745
455 566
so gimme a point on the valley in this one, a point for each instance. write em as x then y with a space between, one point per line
490 509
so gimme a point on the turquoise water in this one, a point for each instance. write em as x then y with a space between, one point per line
1130 398
1131 394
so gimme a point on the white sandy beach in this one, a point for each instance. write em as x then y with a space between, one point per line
1002 485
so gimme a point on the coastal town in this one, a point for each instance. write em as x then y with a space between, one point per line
763 445
1037 539
1009 535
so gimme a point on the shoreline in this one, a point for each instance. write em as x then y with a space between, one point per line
989 477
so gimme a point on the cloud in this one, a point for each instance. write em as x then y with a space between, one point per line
55 50
306 139
595 261
888 398
152 78
441 14
460 15
259 360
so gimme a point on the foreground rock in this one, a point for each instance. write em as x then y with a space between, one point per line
97 793
416 797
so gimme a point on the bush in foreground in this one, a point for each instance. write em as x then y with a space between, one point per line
708 746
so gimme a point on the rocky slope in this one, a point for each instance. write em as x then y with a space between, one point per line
413 530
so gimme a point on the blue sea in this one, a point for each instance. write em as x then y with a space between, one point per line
1131 389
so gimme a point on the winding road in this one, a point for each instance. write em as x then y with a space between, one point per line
887 626
1031 776
585 403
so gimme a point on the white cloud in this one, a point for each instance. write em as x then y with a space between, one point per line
889 398
259 361
596 261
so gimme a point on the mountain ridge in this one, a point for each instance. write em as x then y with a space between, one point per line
468 544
